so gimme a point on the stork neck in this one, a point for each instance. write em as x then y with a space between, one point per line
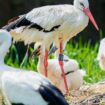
75 3
42 55
1 60
40 66
41 59
4 47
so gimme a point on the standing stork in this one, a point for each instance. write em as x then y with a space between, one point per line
22 87
57 24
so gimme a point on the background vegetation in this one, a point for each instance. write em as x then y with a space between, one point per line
83 47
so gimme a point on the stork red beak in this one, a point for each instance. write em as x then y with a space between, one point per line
89 14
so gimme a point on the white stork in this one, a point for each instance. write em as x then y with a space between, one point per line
22 87
57 24
71 69
101 54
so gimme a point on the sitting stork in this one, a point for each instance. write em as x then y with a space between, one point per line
22 87
74 76
57 24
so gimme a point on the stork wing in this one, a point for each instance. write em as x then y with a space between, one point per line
45 18
16 22
49 16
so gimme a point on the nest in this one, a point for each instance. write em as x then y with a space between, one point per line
88 95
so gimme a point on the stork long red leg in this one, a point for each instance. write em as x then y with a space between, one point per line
46 62
61 66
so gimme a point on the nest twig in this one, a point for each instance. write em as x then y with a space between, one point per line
88 95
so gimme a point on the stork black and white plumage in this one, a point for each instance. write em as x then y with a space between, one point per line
30 88
22 87
55 24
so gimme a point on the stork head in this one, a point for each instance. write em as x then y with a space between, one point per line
83 5
39 50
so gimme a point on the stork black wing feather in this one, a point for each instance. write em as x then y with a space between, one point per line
17 104
52 95
22 21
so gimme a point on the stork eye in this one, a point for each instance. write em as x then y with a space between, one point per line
82 4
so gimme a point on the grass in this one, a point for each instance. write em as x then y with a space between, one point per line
85 54
12 59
